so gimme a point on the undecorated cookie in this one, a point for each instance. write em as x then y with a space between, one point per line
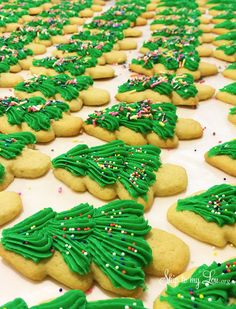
17 159
142 123
223 157
227 94
74 91
10 206
109 171
110 245
177 89
209 216
210 286
46 119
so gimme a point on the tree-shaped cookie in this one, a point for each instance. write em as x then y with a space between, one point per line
46 119
209 216
210 286
142 123
227 94
110 244
77 299
17 159
72 65
232 115
74 91
226 52
230 71
223 157
115 169
178 89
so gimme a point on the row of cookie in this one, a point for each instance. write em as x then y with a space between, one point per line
176 52
191 287
76 64
225 26
14 13
177 89
65 12
74 246
100 169
17 49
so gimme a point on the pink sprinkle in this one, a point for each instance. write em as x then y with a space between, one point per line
19 193
60 190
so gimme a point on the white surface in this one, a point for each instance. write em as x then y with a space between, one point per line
43 192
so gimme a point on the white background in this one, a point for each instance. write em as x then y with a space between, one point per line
44 192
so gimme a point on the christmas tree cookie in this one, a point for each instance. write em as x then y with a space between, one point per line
226 52
142 123
77 299
73 66
115 169
112 245
209 216
223 157
227 94
225 39
46 119
210 286
165 87
230 71
74 91
232 115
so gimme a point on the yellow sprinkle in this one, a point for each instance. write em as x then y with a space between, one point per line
179 295
75 141
201 296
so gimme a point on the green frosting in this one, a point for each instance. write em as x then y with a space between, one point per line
228 24
181 32
171 59
75 299
2 173
11 145
110 25
224 7
17 303
225 149
49 86
177 42
36 112
232 111
134 167
91 48
10 56
217 204
103 36
180 4
228 49
231 88
226 15
164 84
73 65
111 236
232 66
229 36
208 287
178 21
141 117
